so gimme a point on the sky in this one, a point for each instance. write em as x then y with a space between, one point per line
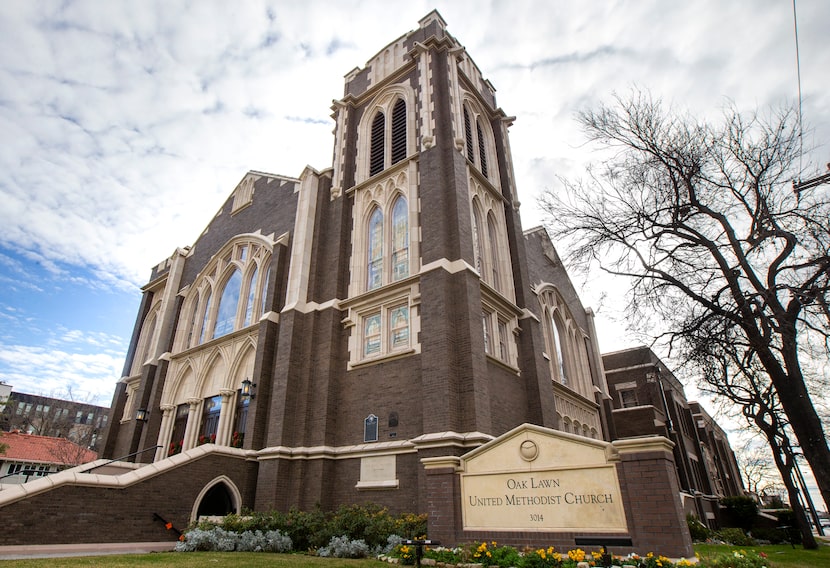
125 125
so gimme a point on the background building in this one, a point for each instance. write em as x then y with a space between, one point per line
29 456
80 422
649 400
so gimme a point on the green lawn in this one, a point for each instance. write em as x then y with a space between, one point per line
780 557
197 559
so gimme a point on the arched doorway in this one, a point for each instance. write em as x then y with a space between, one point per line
217 499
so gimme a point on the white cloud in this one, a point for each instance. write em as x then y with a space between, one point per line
89 376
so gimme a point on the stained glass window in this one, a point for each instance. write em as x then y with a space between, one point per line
205 315
228 302
400 240
560 358
399 327
375 253
371 335
494 250
249 306
264 293
477 238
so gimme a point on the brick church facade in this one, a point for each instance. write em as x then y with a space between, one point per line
386 309
350 335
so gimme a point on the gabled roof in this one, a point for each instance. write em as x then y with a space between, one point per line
43 449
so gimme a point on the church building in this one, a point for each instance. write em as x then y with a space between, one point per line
363 332
345 324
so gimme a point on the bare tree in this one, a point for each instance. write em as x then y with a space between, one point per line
757 469
707 224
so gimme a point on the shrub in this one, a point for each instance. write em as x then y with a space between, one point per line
344 547
738 559
444 554
541 558
699 531
219 540
313 530
371 523
392 541
736 537
257 541
741 510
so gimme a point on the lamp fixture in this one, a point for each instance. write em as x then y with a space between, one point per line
142 415
247 389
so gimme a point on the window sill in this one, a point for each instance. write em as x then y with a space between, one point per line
382 358
377 485
501 363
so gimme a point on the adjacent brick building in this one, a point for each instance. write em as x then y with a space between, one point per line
649 400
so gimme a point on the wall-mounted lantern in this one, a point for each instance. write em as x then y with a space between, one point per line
247 390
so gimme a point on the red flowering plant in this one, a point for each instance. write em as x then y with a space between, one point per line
175 448
237 439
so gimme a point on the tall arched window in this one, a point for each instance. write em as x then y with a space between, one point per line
205 316
264 300
475 139
398 131
494 250
400 239
375 250
560 351
249 303
478 241
378 144
191 325
468 136
482 154
228 303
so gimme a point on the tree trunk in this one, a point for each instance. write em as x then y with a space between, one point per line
802 416
785 468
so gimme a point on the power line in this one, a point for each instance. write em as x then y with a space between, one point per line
798 75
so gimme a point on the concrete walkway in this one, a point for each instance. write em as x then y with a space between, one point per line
16 552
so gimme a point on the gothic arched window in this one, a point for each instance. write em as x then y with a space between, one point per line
228 302
249 303
375 250
494 250
205 317
377 144
398 131
559 348
400 239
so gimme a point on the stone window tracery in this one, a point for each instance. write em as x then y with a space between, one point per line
227 294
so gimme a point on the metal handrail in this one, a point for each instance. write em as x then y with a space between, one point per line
122 458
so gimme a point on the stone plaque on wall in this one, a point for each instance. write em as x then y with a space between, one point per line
536 479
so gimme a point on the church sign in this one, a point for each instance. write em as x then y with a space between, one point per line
535 479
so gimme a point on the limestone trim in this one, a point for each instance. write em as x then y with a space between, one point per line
645 444
300 267
383 102
442 462
78 477
336 453
228 482
131 393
